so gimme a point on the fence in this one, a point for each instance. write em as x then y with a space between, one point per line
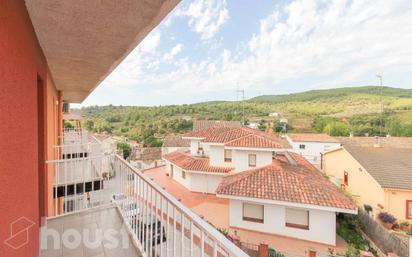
384 239
160 224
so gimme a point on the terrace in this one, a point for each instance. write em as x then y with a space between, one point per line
129 207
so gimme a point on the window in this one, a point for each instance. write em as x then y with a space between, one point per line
253 212
252 160
228 155
409 209
199 146
297 218
345 178
302 146
183 174
171 171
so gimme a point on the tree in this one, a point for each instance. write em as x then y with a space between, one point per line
125 148
89 124
68 125
337 129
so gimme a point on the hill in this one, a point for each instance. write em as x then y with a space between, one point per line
335 93
336 111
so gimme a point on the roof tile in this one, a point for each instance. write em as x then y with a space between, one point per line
193 163
294 180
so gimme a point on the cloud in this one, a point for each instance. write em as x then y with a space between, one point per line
205 16
334 43
328 43
151 42
175 50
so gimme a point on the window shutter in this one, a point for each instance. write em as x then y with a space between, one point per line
297 217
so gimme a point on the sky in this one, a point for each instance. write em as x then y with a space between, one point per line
208 49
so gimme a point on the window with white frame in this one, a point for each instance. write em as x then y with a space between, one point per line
228 155
297 218
253 212
252 160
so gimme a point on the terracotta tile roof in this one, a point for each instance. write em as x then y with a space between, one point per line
72 116
187 162
390 167
204 124
395 142
239 137
256 141
175 141
291 181
310 137
150 153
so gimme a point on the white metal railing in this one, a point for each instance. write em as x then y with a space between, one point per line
79 171
79 183
160 224
74 136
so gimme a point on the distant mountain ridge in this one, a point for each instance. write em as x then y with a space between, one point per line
313 95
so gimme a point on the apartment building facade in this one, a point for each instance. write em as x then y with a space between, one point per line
56 52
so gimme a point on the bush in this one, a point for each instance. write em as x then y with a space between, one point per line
125 148
387 218
409 233
405 223
350 230
337 129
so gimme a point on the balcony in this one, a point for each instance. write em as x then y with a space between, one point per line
103 197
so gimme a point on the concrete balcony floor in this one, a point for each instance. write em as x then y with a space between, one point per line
93 227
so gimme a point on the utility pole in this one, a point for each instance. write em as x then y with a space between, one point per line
242 91
379 76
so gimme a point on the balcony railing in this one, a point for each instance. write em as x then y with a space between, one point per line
159 224
75 136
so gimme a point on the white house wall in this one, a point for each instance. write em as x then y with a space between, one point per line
194 146
204 183
313 149
177 175
322 224
195 182
240 159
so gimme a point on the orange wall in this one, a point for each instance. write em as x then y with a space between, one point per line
53 129
22 62
362 186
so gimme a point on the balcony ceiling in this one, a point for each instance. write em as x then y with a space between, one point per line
83 41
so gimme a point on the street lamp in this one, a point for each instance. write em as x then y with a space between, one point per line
379 76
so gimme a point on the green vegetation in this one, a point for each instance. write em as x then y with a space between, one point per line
334 111
125 148
350 229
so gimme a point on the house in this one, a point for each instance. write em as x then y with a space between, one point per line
216 151
107 142
288 197
204 124
376 176
173 143
276 191
310 146
274 114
